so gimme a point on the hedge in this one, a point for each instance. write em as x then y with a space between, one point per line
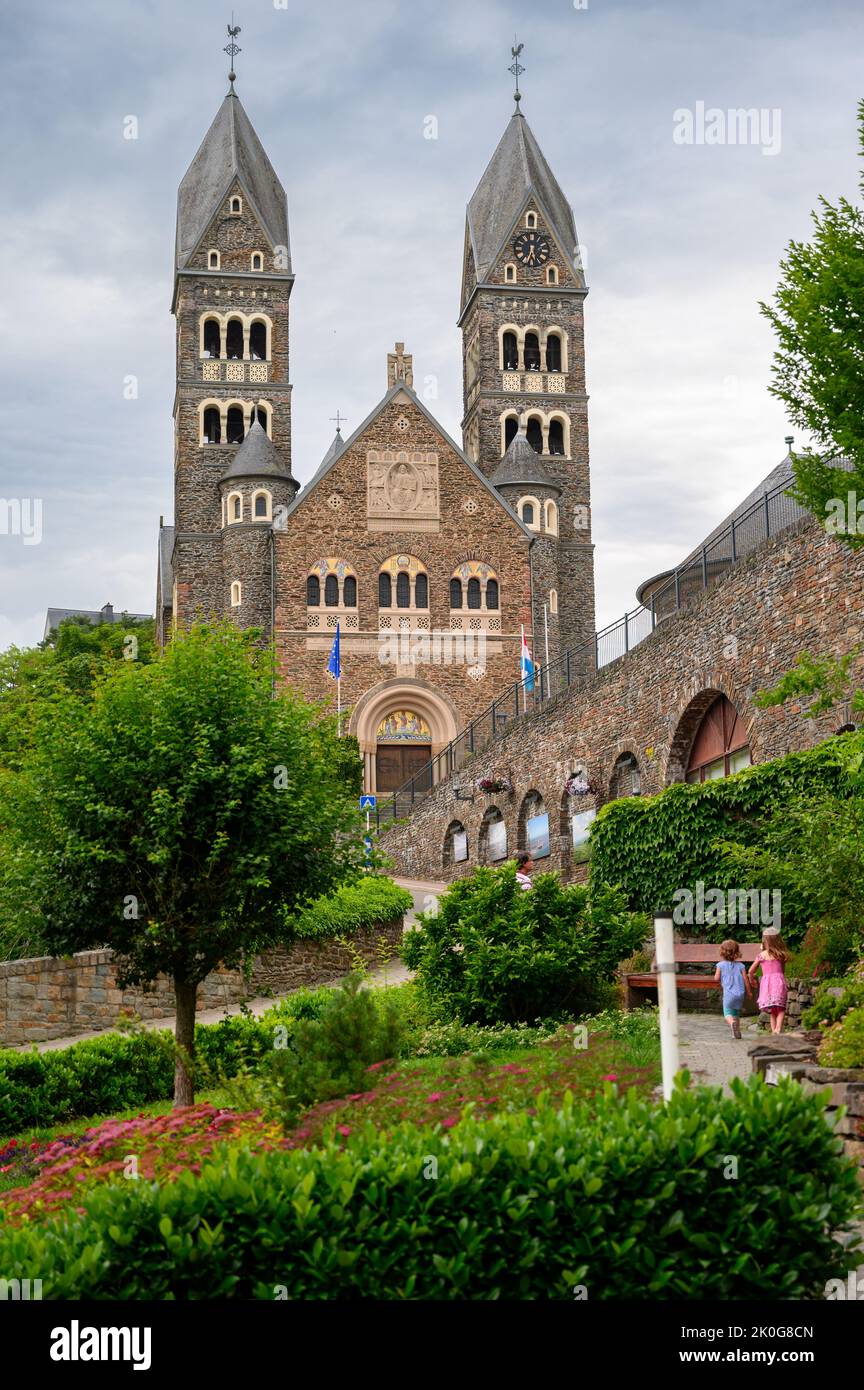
98 1076
611 1199
353 907
103 1076
653 846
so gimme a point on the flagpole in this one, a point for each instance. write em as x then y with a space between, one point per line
546 626
338 706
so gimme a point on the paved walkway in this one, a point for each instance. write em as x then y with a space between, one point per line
708 1050
395 972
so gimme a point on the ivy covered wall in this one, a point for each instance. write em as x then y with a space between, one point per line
656 846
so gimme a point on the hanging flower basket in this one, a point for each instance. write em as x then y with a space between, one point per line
578 785
489 785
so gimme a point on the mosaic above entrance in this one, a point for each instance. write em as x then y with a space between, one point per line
403 725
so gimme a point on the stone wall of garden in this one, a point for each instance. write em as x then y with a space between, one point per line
49 997
794 1054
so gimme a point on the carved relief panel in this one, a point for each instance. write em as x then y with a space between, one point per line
402 490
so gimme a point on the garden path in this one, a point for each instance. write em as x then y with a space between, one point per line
708 1050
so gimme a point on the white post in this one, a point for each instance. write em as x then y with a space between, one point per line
546 626
338 706
667 998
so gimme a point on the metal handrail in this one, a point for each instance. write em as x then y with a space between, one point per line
743 534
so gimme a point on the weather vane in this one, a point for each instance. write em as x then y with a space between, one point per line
232 48
340 421
516 68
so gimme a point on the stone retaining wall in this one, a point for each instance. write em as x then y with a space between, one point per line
794 1054
847 1090
801 996
49 997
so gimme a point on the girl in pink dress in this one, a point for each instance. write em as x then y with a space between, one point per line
772 987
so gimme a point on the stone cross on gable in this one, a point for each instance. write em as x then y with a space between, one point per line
400 366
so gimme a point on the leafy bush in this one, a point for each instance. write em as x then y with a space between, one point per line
94 1077
833 999
355 906
101 1076
239 1042
653 846
637 1029
328 1056
624 1198
828 948
843 1043
496 954
638 963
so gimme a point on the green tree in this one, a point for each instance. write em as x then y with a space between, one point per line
818 317
71 660
177 815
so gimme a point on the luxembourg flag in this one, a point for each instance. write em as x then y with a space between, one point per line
526 665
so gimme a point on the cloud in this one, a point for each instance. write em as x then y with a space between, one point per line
682 243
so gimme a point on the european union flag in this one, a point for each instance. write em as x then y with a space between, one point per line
334 665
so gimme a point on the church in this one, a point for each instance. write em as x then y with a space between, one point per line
432 559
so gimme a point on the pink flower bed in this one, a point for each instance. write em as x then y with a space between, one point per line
149 1146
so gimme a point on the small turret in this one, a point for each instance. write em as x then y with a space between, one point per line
255 489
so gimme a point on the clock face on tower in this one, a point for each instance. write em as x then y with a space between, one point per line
531 248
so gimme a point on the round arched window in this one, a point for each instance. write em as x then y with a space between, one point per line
720 746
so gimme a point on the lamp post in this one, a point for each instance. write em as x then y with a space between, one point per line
667 997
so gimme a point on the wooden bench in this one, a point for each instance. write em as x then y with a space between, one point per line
703 954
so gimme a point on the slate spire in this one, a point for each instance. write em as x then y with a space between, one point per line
230 150
517 171
522 464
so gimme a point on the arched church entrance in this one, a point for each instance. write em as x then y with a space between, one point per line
400 727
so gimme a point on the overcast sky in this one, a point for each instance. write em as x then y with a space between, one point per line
682 241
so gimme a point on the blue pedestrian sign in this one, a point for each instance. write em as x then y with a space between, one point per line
368 803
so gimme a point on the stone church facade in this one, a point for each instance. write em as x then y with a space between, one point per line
429 557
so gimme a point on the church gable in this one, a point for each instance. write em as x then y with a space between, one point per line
401 474
235 234
532 256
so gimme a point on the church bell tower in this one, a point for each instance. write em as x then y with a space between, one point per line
525 417
232 409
